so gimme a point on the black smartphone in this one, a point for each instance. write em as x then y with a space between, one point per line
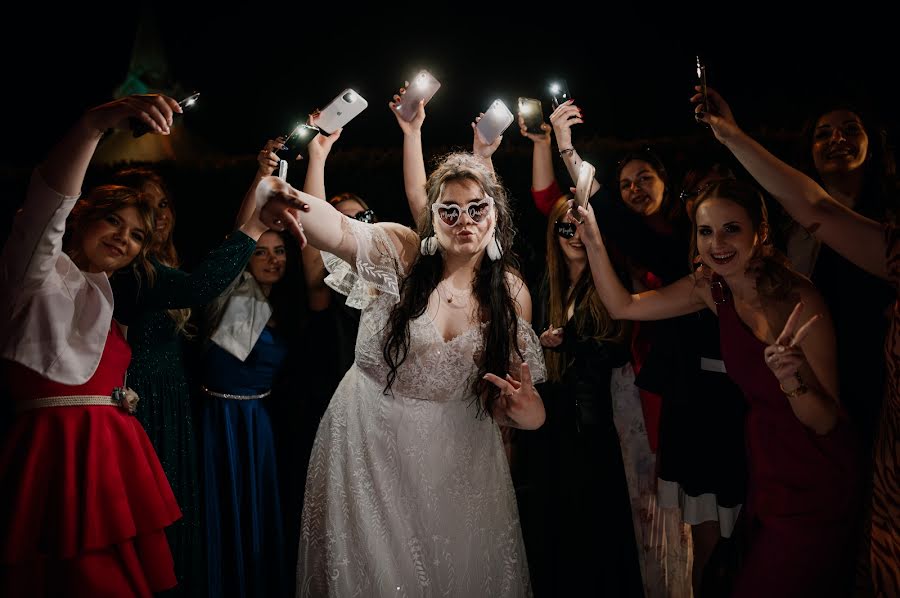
139 128
559 93
296 141
532 115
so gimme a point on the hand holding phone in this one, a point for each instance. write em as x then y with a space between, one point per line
532 115
341 110
496 120
559 93
296 142
422 87
139 129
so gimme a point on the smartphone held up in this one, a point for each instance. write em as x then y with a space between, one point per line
701 81
532 115
422 87
559 93
496 120
341 110
139 129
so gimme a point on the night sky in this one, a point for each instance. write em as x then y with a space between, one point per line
261 71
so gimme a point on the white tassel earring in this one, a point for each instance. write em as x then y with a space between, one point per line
429 245
494 251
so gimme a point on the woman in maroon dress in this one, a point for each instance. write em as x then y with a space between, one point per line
803 485
83 499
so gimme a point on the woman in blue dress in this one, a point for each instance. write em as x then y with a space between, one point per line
252 325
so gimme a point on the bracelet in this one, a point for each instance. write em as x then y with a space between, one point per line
568 150
796 392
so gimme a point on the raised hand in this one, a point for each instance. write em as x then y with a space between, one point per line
153 110
563 118
543 137
719 117
414 126
785 357
267 159
480 147
519 404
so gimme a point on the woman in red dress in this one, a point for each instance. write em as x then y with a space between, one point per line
83 498
803 485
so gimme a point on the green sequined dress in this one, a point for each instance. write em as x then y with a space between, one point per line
157 374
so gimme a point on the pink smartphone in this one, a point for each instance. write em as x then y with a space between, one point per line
422 87
494 122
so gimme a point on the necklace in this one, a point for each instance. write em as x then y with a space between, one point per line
451 297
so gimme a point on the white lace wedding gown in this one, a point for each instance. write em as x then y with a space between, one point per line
410 494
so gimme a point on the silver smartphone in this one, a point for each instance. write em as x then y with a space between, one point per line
341 110
701 79
422 87
585 182
494 122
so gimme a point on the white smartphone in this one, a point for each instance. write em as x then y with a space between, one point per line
585 182
422 87
282 169
494 122
341 110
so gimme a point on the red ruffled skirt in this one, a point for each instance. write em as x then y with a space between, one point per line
84 503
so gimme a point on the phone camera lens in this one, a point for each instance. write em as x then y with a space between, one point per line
349 97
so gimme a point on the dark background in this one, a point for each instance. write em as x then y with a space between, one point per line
262 67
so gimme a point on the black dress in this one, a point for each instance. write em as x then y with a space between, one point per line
702 432
575 509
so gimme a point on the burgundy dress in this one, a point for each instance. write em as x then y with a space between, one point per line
803 487
83 498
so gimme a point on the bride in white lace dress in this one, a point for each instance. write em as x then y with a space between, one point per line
408 491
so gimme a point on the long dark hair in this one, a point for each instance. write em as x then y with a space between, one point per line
880 191
497 309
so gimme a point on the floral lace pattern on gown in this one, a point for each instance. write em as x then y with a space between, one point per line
408 493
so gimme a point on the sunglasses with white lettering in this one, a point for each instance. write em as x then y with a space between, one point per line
449 213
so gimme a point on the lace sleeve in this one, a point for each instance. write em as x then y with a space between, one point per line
377 268
531 349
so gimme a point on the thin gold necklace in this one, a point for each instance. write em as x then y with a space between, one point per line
451 297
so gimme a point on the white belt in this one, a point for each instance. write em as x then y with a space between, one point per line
70 401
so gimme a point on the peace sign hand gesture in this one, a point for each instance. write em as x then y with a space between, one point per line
785 357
